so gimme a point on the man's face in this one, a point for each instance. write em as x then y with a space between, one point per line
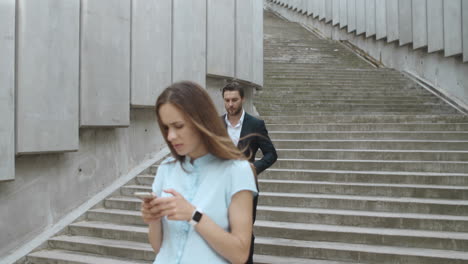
233 102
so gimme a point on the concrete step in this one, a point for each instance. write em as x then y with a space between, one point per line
351 75
374 165
460 145
304 100
346 86
128 190
363 235
364 201
327 80
145 179
357 154
356 252
428 127
360 218
109 231
370 118
127 202
341 107
55 256
374 135
105 247
265 259
367 189
116 216
357 110
368 80
425 178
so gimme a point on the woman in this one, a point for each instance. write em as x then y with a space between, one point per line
202 209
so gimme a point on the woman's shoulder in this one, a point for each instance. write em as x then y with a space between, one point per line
168 162
236 165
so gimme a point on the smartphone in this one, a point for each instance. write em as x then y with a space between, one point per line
144 195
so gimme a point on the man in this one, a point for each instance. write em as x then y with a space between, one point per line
240 124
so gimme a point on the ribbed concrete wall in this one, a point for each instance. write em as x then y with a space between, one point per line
86 63
426 38
78 115
409 21
7 90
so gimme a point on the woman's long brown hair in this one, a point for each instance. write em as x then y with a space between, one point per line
199 109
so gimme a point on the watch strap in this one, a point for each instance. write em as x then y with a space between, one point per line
196 217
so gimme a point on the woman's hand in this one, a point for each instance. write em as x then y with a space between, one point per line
146 213
175 207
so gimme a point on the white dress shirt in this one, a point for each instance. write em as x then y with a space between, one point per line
234 131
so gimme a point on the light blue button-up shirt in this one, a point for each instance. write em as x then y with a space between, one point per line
209 184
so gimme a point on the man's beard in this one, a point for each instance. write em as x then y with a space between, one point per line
235 112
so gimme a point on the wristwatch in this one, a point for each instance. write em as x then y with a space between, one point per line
196 217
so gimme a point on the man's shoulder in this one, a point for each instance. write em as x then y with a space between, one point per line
251 118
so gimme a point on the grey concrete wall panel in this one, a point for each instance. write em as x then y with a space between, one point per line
221 38
244 40
151 50
370 18
360 16
47 76
7 90
105 63
303 6
380 19
323 9
419 16
310 7
343 13
257 7
405 21
351 15
435 25
328 11
189 41
316 11
452 27
392 20
465 29
336 12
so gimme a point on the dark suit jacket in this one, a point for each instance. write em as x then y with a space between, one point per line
253 125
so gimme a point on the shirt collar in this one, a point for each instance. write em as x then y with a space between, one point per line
200 161
241 120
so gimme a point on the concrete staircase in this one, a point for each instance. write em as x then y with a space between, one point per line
372 168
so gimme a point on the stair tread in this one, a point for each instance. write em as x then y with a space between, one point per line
369 198
361 213
370 140
366 132
423 186
376 161
436 253
116 211
371 172
290 260
363 230
110 226
81 257
373 150
138 186
97 241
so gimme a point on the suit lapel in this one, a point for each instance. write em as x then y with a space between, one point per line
245 125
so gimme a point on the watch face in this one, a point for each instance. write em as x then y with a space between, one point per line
197 216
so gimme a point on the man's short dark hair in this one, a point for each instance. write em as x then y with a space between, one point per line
234 86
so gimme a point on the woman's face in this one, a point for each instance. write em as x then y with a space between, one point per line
181 133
